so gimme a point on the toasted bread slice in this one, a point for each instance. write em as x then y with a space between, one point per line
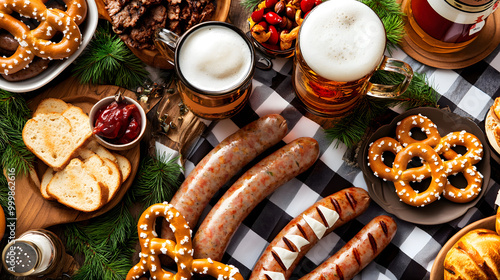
51 138
106 172
51 105
75 187
124 165
47 176
79 123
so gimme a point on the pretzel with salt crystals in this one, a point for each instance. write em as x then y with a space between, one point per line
441 146
181 251
37 42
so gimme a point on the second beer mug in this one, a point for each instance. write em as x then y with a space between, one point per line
340 45
214 62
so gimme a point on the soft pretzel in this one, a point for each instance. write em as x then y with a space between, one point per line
181 250
437 172
430 150
404 127
37 42
462 163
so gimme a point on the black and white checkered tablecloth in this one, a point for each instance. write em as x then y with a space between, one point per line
467 92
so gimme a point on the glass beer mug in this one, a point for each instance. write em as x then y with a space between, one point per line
214 62
340 45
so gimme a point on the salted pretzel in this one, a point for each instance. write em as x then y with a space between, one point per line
401 176
404 127
37 42
462 163
441 147
181 250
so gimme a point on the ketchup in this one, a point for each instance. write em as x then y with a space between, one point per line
119 123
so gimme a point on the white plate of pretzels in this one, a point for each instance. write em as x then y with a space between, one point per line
428 166
42 52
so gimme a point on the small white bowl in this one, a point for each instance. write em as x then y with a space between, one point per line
87 28
117 147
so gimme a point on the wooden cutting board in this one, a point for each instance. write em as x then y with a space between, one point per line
32 210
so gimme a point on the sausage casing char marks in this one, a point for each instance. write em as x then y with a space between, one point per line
222 163
250 189
291 244
358 252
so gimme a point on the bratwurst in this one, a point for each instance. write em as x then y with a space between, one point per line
358 252
250 189
292 243
222 163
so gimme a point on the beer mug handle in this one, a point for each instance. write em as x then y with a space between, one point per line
166 42
390 91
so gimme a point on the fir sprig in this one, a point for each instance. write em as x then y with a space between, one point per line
156 183
108 241
107 60
14 113
351 128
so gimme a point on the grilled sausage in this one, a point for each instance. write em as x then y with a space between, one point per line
222 163
249 190
291 244
358 252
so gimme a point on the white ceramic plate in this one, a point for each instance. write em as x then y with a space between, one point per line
56 67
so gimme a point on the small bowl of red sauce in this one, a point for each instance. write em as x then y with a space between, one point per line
118 125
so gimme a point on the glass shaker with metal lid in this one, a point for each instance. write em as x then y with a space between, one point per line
34 253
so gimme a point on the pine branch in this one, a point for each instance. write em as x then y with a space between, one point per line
158 180
351 128
107 60
14 113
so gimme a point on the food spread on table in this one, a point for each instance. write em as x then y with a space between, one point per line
192 231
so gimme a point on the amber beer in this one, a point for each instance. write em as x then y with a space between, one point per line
339 47
214 62
448 25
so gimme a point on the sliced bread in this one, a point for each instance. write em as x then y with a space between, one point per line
75 187
51 105
50 137
106 172
47 176
55 137
79 123
124 165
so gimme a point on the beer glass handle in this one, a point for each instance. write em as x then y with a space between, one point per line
166 42
390 91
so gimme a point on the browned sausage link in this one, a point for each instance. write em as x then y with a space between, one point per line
249 190
348 203
36 67
222 163
7 42
358 252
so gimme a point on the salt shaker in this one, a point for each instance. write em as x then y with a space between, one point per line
34 253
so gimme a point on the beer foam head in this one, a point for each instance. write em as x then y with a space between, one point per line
342 40
215 58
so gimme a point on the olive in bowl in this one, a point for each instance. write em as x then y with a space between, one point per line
274 25
118 125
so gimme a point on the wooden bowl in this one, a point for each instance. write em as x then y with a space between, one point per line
437 272
153 57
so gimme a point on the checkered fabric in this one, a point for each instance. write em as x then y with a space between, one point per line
467 92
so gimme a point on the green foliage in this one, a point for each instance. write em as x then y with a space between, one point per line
107 60
108 241
13 115
351 128
156 182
